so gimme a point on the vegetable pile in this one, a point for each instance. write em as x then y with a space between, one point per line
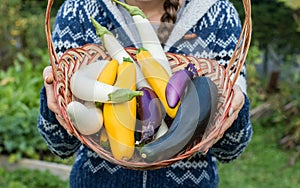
137 108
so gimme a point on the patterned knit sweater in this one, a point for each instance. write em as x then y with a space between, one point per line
217 26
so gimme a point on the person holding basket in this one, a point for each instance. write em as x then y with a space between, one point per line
200 28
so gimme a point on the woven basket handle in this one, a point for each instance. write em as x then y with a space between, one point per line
241 50
51 49
235 64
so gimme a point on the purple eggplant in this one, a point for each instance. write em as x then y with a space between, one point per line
150 114
177 84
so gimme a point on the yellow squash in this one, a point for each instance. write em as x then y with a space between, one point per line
120 118
157 77
109 73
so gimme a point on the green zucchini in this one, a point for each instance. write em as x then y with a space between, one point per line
197 107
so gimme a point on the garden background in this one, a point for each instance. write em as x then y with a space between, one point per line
272 158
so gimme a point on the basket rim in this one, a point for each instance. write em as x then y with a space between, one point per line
212 134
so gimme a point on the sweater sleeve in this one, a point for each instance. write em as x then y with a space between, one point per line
59 141
237 137
69 31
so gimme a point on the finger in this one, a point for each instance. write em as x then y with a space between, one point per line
237 101
61 120
48 75
207 146
239 96
227 123
51 101
48 83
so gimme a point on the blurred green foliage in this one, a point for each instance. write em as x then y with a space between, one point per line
285 101
22 29
19 107
25 178
294 4
275 23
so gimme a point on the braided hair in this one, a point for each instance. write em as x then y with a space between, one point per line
168 19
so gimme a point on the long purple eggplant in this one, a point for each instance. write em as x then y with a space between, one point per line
177 84
150 114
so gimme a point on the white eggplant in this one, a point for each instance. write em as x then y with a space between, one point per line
149 38
117 51
84 85
87 119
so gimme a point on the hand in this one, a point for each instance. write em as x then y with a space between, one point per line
51 100
236 105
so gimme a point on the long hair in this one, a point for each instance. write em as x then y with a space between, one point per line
168 19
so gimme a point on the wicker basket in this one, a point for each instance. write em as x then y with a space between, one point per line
64 67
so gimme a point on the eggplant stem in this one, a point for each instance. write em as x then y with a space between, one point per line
127 59
133 10
100 30
191 67
143 155
123 95
140 50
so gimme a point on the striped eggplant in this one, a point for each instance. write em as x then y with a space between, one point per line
197 107
150 114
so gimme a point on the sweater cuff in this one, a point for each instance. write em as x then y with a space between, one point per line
44 110
236 138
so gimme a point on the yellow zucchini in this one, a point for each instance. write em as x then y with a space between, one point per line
156 76
109 73
120 118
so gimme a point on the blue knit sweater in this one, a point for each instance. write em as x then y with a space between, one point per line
217 26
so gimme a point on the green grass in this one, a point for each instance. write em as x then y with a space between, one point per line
25 178
263 164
